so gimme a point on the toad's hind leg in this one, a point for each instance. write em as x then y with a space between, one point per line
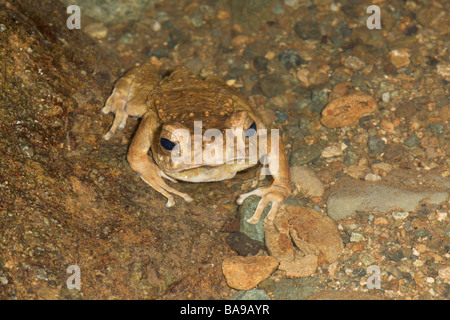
130 95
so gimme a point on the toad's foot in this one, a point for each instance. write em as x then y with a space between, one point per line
274 193
162 187
116 103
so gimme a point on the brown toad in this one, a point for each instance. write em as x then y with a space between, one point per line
171 108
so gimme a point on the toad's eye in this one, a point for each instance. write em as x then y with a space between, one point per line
251 130
167 144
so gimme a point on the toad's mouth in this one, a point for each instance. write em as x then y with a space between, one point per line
208 173
212 163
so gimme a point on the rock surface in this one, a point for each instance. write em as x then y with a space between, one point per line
246 211
244 273
347 110
301 239
253 294
350 196
307 181
315 233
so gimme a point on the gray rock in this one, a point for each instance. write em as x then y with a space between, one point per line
411 141
272 85
394 271
350 196
290 58
260 63
291 289
375 146
246 211
304 154
307 181
310 30
195 65
253 294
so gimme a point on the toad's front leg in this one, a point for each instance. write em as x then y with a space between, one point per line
141 163
280 188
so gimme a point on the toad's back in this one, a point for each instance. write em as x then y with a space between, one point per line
184 98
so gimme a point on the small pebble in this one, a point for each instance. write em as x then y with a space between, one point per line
291 3
155 25
372 177
332 151
418 263
356 237
400 215
96 30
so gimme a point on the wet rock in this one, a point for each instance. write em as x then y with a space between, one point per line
96 30
345 111
314 76
292 3
251 15
393 152
253 294
244 273
113 11
400 215
245 212
319 98
406 109
411 141
260 63
332 151
290 58
307 30
267 116
197 20
372 177
307 181
254 49
443 69
400 57
293 262
350 196
444 112
367 259
432 16
436 128
195 65
241 40
243 244
301 266
444 274
313 232
272 85
375 146
304 154
291 289
301 239
356 237
354 63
